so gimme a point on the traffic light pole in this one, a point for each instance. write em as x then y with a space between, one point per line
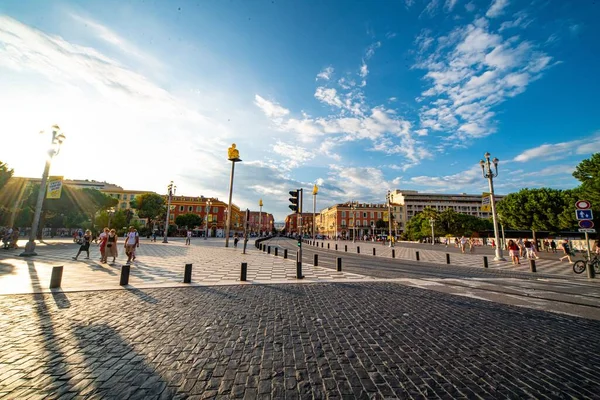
299 224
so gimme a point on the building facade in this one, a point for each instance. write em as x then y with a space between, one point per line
413 202
339 220
214 218
305 227
261 222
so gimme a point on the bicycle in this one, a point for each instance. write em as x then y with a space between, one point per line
580 265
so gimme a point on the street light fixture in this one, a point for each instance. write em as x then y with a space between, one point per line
233 155
432 223
389 204
260 205
57 139
489 174
172 189
111 213
314 192
208 204
353 208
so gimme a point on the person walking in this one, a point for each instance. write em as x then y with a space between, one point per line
521 247
188 238
553 246
154 236
567 251
103 239
471 245
132 240
235 240
85 245
463 243
547 245
111 245
513 251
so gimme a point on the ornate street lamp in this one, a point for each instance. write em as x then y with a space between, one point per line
233 155
57 139
111 213
260 205
389 204
171 189
208 204
432 223
489 174
314 192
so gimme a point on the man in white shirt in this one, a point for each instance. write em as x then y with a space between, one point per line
132 240
188 238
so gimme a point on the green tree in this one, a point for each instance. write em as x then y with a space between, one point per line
588 173
5 174
148 205
188 220
534 209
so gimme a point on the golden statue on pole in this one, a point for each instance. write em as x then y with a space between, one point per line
233 154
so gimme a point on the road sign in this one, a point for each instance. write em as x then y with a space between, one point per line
587 230
583 205
586 224
584 214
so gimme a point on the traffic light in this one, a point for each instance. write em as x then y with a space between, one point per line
295 200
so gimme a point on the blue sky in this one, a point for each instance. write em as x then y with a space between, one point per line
357 96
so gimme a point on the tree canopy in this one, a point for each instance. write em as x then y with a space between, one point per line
588 173
149 205
189 220
447 222
5 174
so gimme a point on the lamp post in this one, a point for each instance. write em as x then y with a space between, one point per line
111 213
315 191
432 223
57 139
171 188
208 204
389 204
260 205
233 155
353 208
489 174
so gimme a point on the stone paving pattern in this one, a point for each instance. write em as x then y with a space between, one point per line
157 264
342 340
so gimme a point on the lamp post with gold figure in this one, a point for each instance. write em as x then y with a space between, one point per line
315 191
260 204
233 155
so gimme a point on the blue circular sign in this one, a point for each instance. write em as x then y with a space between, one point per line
586 224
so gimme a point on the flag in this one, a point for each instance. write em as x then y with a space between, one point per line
55 184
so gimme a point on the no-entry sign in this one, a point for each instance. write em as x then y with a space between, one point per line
583 205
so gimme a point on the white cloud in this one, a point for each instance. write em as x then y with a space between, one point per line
325 74
521 21
497 8
470 6
472 70
449 5
409 3
459 181
271 110
561 150
364 71
293 155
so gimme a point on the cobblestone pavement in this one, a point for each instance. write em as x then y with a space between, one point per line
548 265
340 340
157 264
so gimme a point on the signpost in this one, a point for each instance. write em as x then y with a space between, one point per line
584 215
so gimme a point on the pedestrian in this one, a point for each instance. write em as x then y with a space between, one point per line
463 243
188 238
131 242
521 245
154 236
103 239
553 246
235 240
85 245
111 245
567 251
546 245
471 245
531 253
513 251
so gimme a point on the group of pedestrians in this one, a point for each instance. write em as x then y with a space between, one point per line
521 249
108 241
10 237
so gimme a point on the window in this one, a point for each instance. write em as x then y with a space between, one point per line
190 208
123 205
379 214
131 196
343 214
372 214
215 210
198 208
171 217
344 223
119 196
180 208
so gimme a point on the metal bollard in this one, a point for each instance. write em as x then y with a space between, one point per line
357 249
485 262
268 249
322 244
339 264
532 265
56 277
187 273
316 260
373 250
345 247
447 258
417 255
284 253
125 269
328 246
336 246
264 248
393 253
275 251
590 271
244 273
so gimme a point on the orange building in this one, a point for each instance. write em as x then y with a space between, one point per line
261 221
291 224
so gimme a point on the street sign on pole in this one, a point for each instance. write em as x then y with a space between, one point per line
587 230
586 224
584 214
583 205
